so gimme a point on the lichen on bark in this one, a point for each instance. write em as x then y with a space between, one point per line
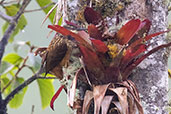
151 76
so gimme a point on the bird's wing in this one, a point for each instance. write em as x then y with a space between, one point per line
56 52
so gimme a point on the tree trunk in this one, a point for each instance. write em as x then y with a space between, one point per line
151 77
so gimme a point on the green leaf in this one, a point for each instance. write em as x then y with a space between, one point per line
60 21
18 98
12 10
48 75
4 65
4 81
43 3
4 27
22 22
13 58
46 91
7 68
35 61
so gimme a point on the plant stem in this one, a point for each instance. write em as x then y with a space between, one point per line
46 6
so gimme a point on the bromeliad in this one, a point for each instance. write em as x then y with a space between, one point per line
108 60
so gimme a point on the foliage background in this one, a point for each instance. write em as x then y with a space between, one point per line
36 34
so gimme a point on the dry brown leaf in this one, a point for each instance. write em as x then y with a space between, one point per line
72 91
77 105
87 101
122 96
134 89
50 11
106 103
132 104
137 100
99 93
118 105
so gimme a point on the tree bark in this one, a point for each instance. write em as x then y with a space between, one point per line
151 77
3 108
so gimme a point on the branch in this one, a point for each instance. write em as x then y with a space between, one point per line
40 77
1 98
11 28
24 84
22 66
32 109
8 84
6 17
20 87
9 2
2 1
42 8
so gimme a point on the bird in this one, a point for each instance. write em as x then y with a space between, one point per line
56 55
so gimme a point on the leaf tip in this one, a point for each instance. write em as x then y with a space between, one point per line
51 106
55 97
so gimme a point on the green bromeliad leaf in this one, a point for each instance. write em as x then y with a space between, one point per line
13 58
43 3
46 91
18 98
22 22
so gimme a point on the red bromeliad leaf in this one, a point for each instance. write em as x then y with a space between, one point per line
55 96
66 32
99 46
155 34
129 69
126 33
140 41
72 24
144 28
94 32
131 54
143 31
91 16
90 58
93 64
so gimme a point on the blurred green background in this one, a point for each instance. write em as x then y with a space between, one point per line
37 34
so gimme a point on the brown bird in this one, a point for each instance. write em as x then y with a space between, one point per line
56 55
